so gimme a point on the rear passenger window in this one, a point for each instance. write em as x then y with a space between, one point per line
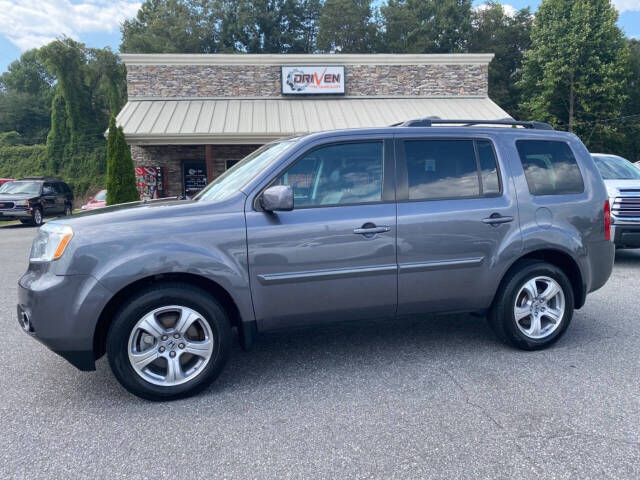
549 167
450 169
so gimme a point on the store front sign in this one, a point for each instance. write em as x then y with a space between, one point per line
316 80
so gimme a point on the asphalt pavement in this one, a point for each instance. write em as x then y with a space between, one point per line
435 397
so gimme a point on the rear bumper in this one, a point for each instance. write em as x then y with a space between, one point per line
62 313
625 235
601 259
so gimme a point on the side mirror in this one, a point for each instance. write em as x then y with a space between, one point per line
277 198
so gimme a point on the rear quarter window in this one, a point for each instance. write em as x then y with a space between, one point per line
550 167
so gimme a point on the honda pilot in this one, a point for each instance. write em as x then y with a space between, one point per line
424 217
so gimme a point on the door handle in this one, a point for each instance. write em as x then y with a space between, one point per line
371 230
496 219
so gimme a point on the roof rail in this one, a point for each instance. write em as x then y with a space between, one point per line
430 121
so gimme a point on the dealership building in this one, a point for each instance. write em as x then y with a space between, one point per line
190 117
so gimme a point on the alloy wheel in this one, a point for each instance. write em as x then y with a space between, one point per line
37 216
170 345
539 307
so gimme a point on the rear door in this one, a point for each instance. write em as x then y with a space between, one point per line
334 256
61 196
457 223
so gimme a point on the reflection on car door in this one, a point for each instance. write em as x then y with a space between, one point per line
454 216
334 256
49 199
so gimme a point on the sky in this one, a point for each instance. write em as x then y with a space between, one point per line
26 24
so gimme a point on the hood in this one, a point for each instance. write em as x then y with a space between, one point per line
12 197
617 187
152 213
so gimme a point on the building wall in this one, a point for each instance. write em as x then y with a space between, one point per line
197 81
171 156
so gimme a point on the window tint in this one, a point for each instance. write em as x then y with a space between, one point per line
337 174
549 167
488 168
441 169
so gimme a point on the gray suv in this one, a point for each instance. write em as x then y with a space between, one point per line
423 217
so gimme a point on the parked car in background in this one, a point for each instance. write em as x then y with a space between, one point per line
622 179
99 201
32 199
331 226
5 180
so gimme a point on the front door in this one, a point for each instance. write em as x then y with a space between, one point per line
457 223
50 203
334 256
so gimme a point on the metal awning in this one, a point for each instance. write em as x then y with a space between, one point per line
260 120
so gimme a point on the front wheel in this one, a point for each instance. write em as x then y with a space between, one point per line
36 218
170 341
67 210
533 307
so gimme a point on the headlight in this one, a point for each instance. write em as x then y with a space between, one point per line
22 203
50 242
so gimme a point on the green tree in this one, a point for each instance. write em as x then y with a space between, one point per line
58 146
425 26
629 125
121 178
575 73
65 59
269 26
26 91
507 36
346 26
173 26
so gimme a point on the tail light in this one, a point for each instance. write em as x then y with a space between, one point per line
607 220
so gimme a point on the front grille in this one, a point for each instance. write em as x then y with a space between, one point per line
6 205
626 207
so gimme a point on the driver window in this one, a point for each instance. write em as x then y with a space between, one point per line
337 174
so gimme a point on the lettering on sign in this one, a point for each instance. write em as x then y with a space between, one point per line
316 80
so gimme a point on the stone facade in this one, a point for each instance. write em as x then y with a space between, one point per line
197 81
231 76
170 157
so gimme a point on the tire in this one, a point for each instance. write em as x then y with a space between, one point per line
36 217
128 338
68 211
525 332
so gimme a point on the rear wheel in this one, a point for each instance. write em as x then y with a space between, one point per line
170 341
533 307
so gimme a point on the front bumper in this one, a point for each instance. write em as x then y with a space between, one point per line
15 214
62 312
626 235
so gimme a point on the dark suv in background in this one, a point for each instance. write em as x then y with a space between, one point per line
513 223
32 199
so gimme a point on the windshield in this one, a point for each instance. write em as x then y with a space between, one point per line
21 188
616 168
242 172
101 196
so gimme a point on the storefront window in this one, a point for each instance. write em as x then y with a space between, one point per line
230 181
